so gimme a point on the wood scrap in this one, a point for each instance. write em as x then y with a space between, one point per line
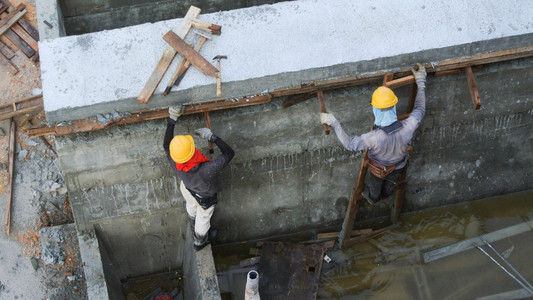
22 106
10 169
9 65
206 26
167 57
6 51
190 54
19 43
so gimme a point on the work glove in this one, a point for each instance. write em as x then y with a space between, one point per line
327 118
175 111
420 74
204 133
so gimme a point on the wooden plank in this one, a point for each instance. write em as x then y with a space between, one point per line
184 65
368 236
473 88
10 169
25 36
295 99
3 8
412 97
323 109
12 18
469 243
190 108
388 77
21 44
8 64
190 54
329 235
8 43
167 57
205 26
399 197
396 83
377 76
456 71
21 107
29 29
6 51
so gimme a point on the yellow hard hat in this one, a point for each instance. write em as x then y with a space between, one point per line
181 148
383 97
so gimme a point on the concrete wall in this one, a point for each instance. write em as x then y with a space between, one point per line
82 16
288 176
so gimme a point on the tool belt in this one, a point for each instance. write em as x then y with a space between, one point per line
378 170
204 201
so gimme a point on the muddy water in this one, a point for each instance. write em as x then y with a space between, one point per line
392 267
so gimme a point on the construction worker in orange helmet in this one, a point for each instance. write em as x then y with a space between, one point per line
388 141
199 175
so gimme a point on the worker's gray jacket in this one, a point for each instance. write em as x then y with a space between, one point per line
388 149
203 178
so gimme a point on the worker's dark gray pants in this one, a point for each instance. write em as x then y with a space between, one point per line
379 188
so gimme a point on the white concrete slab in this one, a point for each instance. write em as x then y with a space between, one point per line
271 39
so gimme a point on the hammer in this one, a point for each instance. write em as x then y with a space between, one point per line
219 88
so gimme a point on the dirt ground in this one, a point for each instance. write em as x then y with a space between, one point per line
30 269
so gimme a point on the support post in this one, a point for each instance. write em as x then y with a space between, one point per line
208 124
472 86
322 102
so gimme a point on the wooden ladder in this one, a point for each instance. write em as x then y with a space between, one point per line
356 197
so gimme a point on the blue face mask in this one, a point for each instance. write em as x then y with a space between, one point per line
384 117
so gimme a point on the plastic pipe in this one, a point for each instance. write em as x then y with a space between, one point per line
252 286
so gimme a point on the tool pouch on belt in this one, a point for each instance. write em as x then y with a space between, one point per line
378 170
205 202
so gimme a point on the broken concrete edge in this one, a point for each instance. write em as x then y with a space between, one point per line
200 276
289 80
92 264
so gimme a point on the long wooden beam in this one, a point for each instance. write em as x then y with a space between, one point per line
305 88
10 174
452 64
190 108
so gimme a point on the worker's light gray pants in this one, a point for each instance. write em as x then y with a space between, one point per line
203 216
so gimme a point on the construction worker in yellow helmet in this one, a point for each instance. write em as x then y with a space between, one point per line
198 174
388 141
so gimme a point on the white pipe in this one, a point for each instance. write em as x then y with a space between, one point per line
252 286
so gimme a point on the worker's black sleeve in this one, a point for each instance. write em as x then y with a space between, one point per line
223 159
169 134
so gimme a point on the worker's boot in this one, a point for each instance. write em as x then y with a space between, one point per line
200 241
192 222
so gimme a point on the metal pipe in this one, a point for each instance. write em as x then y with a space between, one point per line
252 286
508 264
503 268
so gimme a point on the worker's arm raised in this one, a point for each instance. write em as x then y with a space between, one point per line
174 113
227 153
353 144
419 108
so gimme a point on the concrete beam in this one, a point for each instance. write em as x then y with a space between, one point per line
266 51
49 19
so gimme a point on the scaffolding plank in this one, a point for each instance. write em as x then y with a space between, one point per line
167 57
290 271
469 244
